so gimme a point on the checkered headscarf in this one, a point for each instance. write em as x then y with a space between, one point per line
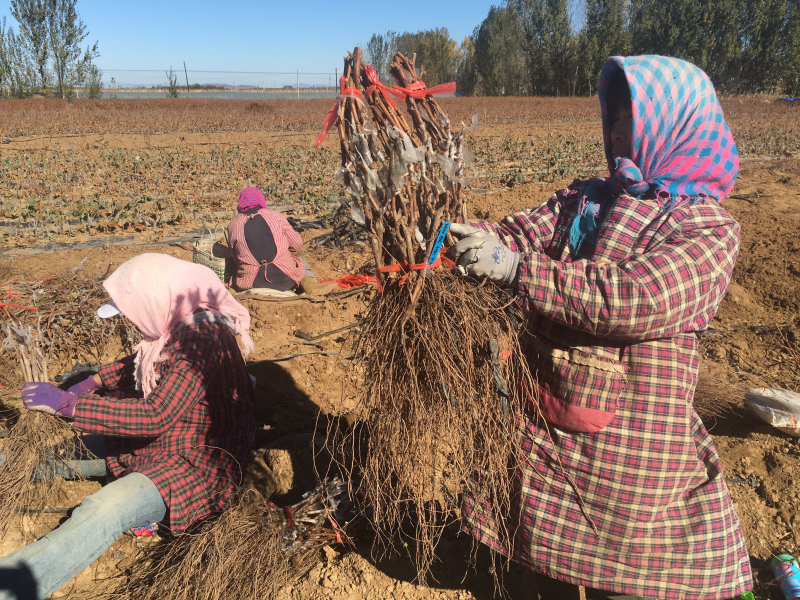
682 146
251 198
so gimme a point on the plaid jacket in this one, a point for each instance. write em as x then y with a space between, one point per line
613 340
192 435
286 240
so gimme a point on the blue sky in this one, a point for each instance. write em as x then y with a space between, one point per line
244 35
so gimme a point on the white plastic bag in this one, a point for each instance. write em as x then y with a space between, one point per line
780 408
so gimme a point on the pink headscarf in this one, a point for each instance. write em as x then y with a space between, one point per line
158 293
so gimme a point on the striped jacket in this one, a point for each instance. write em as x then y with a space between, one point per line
613 342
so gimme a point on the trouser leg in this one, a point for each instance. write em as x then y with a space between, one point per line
36 571
553 589
83 464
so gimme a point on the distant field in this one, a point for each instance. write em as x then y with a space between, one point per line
221 94
114 165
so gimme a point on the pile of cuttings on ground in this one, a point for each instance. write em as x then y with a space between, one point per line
440 363
54 321
347 223
250 551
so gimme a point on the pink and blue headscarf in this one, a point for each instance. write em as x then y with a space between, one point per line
250 197
683 149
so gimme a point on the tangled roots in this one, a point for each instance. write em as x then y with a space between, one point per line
438 408
249 551
34 457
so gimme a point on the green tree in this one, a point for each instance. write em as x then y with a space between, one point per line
790 48
669 27
437 55
499 56
723 56
467 77
14 80
94 82
71 63
549 44
378 54
172 84
605 33
32 41
761 42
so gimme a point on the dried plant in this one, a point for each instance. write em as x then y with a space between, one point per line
34 457
250 551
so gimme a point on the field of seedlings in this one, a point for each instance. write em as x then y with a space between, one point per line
87 185
113 166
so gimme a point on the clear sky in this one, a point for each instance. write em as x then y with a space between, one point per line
246 35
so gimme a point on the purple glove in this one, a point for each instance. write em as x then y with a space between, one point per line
87 386
48 398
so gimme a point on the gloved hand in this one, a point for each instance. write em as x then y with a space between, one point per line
48 398
480 254
87 386
420 238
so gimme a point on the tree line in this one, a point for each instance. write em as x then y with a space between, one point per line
558 47
45 56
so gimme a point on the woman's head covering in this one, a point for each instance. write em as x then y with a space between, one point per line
249 198
158 293
683 150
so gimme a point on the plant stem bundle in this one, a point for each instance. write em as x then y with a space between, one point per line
439 403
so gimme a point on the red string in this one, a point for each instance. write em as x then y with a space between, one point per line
416 90
373 79
30 308
406 268
332 116
348 282
336 529
420 92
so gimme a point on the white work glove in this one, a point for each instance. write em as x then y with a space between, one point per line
420 238
480 254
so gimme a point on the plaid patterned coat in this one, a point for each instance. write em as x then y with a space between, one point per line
614 341
286 239
192 434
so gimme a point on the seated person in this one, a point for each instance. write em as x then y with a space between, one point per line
261 243
179 449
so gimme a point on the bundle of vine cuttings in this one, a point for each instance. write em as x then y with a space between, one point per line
61 312
251 550
46 322
440 362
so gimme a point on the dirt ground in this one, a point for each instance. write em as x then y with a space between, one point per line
738 353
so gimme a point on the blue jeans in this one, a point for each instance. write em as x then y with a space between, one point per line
87 467
36 571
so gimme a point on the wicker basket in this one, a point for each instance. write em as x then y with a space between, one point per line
210 254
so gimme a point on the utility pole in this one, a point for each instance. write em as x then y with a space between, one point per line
336 77
298 84
185 72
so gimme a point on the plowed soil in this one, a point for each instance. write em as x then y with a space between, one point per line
740 352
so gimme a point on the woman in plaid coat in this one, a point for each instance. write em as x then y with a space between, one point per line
620 488
179 447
